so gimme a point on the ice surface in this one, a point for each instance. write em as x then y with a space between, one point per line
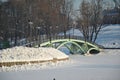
104 66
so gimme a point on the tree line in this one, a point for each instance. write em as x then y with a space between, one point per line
30 18
92 18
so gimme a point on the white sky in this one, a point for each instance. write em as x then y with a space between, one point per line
107 4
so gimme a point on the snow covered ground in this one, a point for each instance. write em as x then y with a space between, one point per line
48 56
103 66
110 36
72 32
17 54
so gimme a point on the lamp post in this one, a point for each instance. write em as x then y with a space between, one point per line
30 25
50 34
16 27
39 39
56 31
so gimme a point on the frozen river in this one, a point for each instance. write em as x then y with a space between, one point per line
104 66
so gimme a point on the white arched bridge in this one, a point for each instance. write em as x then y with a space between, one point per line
75 46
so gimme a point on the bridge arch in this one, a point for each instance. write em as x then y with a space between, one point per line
85 47
64 43
93 51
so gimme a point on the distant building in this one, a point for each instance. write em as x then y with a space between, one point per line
111 16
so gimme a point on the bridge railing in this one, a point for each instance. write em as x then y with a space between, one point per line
45 38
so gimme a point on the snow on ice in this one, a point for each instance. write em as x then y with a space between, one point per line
103 66
21 54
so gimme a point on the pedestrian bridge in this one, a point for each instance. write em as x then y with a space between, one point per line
74 46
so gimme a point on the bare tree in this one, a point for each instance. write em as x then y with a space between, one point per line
90 20
16 17
97 19
117 3
66 10
117 7
85 10
4 20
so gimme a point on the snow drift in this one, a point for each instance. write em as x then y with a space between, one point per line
22 55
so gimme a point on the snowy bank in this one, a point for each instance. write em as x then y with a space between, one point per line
109 37
103 66
30 55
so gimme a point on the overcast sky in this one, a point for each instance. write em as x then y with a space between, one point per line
3 0
107 3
